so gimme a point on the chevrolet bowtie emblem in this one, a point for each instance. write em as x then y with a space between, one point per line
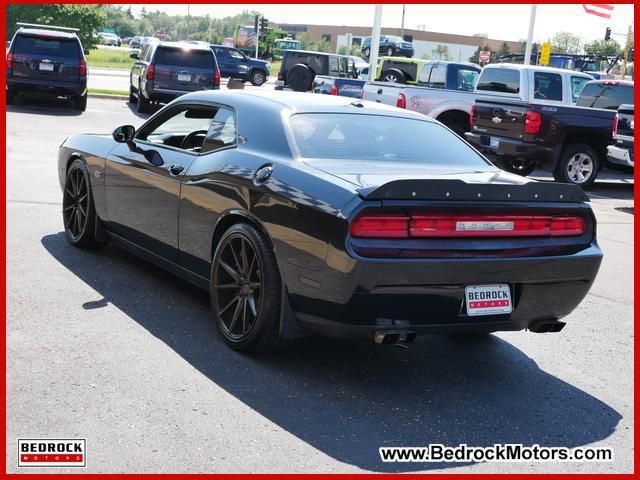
496 120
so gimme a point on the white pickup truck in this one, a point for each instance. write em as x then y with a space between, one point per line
444 91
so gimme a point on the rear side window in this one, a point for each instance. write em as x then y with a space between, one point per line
185 58
317 63
222 132
35 45
547 86
466 79
577 85
608 96
505 80
438 78
424 74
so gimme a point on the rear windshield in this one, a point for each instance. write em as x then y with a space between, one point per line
599 95
506 80
36 45
185 58
345 136
317 63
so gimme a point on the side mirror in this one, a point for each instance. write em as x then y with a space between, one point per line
124 134
134 55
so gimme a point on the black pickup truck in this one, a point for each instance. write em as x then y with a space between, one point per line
570 141
621 152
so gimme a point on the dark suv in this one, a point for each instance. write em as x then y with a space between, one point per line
166 70
300 67
48 61
390 45
235 64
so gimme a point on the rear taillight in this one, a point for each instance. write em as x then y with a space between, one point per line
615 125
216 78
9 60
83 68
401 101
532 122
472 115
334 89
151 72
380 226
421 226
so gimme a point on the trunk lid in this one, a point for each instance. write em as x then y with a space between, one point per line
38 57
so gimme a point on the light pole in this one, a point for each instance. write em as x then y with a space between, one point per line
375 42
402 27
532 21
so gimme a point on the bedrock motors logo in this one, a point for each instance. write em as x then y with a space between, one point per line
52 452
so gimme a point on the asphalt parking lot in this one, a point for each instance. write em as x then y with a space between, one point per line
103 346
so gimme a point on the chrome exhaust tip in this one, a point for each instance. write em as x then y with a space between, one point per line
393 337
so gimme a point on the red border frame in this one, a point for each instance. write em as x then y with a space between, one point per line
3 333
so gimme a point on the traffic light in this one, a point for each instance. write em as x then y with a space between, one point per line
264 23
607 34
255 23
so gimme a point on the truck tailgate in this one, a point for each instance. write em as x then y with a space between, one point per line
502 118
380 92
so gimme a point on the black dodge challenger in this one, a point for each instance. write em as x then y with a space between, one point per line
306 214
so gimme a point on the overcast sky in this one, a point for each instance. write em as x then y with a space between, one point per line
503 22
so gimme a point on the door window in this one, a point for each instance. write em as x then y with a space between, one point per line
185 129
334 66
236 54
577 85
547 86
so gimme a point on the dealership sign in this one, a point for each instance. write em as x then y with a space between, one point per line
52 452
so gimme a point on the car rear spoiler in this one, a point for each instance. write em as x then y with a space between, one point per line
437 189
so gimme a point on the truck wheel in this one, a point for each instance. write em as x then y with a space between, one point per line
80 103
389 52
578 164
300 77
393 76
132 97
366 52
144 105
518 166
257 78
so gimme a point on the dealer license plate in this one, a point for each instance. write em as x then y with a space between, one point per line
47 67
487 299
494 143
184 77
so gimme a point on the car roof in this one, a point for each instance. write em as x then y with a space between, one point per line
519 66
312 52
184 45
46 32
297 102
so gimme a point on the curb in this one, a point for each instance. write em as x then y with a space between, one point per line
107 96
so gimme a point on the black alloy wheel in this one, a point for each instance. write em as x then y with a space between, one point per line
246 291
237 284
78 213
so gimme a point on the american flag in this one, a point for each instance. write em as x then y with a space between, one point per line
599 9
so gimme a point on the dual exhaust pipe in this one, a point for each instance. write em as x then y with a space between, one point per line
546 327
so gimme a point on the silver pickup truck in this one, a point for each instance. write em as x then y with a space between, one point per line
444 91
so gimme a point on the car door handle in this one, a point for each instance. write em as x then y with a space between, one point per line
176 169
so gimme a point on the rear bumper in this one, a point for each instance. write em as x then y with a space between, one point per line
47 88
620 155
163 95
507 147
426 296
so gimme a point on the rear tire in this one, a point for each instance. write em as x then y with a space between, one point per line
132 97
144 105
393 76
246 291
578 164
523 168
78 212
80 103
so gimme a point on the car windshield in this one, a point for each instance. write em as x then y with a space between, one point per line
343 136
394 39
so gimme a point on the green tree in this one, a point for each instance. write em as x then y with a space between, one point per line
565 42
603 47
305 41
323 46
504 49
442 52
475 58
88 19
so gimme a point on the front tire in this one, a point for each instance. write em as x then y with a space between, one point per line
246 291
132 97
578 164
257 78
389 52
78 212
366 52
11 96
